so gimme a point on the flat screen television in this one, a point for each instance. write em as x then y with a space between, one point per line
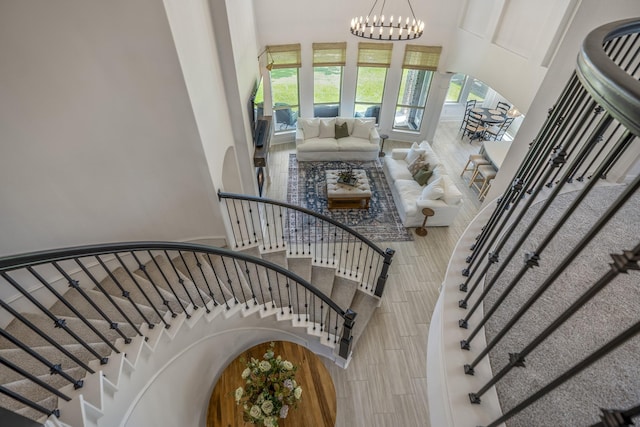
256 106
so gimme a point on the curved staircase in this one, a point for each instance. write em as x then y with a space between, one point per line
84 320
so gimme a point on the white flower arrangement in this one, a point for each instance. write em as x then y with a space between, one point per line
269 391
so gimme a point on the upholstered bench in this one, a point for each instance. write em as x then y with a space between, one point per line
345 196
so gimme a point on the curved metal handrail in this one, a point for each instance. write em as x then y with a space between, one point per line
223 195
42 257
611 86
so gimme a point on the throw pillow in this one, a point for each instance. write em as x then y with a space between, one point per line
417 164
327 128
349 121
433 191
362 128
342 131
310 127
423 175
413 153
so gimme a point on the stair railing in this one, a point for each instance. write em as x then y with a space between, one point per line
144 284
590 133
278 225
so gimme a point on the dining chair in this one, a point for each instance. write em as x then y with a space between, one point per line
471 104
495 133
474 128
503 107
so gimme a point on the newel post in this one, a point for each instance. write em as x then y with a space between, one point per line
382 279
345 341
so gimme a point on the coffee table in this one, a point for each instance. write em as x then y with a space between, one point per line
344 196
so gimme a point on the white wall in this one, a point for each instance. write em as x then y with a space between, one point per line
98 138
589 15
508 44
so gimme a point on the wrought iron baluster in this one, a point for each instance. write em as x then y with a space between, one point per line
45 336
126 294
58 322
143 268
215 273
75 284
111 300
191 278
66 303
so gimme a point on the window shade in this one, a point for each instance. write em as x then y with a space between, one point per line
374 54
421 57
329 54
285 55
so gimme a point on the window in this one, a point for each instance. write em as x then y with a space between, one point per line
373 61
328 62
418 66
284 85
477 90
455 88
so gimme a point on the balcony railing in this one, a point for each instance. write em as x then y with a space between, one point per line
546 256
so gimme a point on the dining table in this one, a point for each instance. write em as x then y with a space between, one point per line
490 116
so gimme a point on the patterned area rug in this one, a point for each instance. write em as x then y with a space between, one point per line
380 223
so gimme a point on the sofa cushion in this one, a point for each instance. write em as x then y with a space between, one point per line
398 169
409 191
356 144
433 191
362 128
452 195
310 127
327 128
318 144
342 131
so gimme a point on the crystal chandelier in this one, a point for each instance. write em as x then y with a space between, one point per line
376 27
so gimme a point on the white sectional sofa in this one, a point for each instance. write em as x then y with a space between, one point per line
357 139
440 193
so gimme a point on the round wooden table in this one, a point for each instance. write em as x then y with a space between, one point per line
317 408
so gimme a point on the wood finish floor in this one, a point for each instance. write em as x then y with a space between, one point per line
317 408
385 384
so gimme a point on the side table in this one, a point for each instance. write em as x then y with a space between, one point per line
383 137
427 212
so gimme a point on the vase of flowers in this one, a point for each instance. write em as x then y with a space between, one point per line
270 389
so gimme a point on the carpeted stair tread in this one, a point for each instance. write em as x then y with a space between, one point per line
135 295
343 291
364 305
162 273
264 286
277 257
18 329
302 268
33 391
80 303
227 271
198 268
50 403
322 278
285 296
29 363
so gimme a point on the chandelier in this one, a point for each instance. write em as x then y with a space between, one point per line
376 27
